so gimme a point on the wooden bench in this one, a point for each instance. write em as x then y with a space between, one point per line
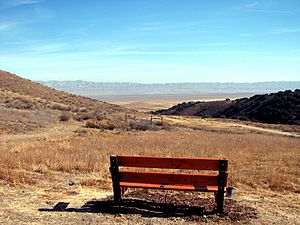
124 179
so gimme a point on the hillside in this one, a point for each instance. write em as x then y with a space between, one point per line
17 87
199 108
281 107
26 105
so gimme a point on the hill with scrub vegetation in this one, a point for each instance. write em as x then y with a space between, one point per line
282 107
26 105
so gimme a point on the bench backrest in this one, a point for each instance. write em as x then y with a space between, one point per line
167 178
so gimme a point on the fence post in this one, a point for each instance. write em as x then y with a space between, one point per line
151 120
126 116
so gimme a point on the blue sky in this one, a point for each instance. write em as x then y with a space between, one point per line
151 41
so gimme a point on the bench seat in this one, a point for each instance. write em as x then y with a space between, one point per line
170 187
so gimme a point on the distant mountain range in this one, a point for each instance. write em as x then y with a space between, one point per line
107 90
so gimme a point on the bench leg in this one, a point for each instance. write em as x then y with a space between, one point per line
221 186
216 197
220 201
117 195
114 169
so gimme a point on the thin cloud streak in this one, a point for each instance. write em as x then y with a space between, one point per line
251 5
286 30
165 26
176 53
258 7
20 2
6 26
245 35
56 49
110 48
268 11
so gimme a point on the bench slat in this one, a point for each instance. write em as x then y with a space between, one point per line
169 178
170 187
169 163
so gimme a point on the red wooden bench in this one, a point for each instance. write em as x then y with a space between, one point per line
124 179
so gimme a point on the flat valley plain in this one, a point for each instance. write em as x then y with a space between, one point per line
153 102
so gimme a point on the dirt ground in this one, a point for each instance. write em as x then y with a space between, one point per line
69 203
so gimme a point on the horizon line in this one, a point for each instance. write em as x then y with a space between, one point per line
187 82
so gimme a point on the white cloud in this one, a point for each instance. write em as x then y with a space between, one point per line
251 4
286 30
19 2
120 53
5 25
166 26
269 11
261 7
36 48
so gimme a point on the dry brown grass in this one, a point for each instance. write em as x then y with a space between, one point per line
255 160
20 121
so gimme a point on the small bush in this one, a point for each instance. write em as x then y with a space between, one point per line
102 125
20 104
243 118
60 107
65 117
83 109
141 125
162 124
92 115
92 124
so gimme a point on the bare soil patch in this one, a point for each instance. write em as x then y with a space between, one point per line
62 202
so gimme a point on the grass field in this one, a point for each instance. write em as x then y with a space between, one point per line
262 164
256 160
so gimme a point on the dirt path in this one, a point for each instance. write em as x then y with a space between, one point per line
58 130
213 123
